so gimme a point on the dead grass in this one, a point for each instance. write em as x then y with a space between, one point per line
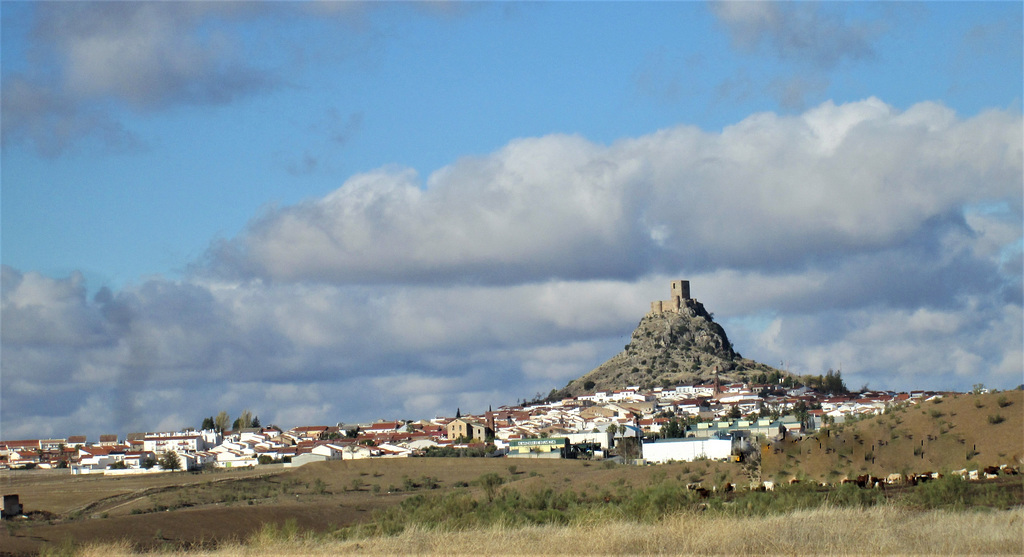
885 530
952 434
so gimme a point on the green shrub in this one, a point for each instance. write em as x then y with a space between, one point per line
950 491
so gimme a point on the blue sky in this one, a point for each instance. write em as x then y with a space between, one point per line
244 194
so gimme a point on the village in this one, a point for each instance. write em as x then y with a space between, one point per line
689 422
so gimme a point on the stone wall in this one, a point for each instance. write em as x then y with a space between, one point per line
680 291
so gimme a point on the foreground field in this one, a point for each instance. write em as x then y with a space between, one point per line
500 506
202 510
885 530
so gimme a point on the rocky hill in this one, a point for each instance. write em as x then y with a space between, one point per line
678 345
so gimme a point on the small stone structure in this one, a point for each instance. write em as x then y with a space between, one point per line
680 291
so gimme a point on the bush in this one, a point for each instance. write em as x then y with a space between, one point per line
996 419
490 482
950 491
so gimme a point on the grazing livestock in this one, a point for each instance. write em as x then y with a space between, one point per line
769 486
972 475
991 470
893 479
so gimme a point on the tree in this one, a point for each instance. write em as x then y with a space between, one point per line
613 429
629 448
208 424
833 383
800 411
170 461
256 422
220 423
244 421
672 429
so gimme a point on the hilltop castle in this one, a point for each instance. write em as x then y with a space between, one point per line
680 290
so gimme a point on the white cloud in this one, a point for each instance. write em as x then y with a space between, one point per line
887 242
769 192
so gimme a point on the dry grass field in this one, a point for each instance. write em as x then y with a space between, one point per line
828 531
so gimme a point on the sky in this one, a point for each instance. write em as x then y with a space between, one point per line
343 212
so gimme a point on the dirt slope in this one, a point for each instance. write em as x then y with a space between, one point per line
961 431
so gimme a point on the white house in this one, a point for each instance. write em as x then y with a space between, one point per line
667 450
329 450
188 442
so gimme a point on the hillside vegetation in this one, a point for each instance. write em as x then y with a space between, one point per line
952 433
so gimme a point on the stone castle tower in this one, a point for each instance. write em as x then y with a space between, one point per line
680 291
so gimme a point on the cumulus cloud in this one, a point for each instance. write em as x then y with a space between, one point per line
884 241
768 192
293 353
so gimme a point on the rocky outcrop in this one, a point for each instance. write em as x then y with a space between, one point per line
670 348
